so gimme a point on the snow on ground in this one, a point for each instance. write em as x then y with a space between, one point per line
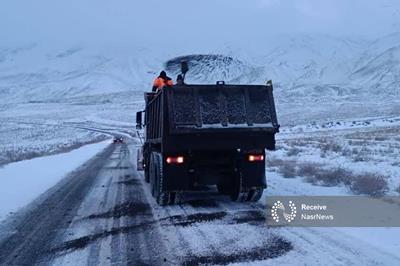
33 129
22 182
24 140
373 148
369 148
385 240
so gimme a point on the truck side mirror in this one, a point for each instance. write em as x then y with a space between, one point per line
139 124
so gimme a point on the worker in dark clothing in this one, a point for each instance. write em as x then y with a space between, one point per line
179 80
162 81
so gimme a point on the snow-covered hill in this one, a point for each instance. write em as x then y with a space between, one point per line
325 70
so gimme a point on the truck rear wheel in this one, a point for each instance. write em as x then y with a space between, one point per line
157 177
255 194
152 174
242 194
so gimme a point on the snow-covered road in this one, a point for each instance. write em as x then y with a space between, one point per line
103 213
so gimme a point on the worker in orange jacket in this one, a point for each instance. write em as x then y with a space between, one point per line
162 81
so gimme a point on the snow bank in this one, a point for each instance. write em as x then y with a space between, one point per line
22 182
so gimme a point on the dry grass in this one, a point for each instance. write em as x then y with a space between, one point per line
298 142
329 145
358 142
293 151
370 184
328 177
288 169
346 152
308 169
361 155
274 162
315 173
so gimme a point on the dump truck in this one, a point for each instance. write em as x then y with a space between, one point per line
204 135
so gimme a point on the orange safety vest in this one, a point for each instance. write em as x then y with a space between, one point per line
159 83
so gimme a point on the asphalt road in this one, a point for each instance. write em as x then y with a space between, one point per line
102 213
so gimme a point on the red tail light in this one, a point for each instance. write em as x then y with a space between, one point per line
175 160
255 158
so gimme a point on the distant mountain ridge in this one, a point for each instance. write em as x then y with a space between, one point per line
322 68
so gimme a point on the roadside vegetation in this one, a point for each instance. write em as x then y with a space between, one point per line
360 161
31 141
371 184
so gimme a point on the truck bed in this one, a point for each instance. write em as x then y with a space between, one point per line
196 108
212 117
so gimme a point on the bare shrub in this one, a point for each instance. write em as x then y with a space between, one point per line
293 151
390 150
362 155
315 174
357 142
396 164
298 142
346 152
327 178
279 146
311 179
335 147
359 158
330 177
288 169
328 145
274 162
308 169
345 176
370 184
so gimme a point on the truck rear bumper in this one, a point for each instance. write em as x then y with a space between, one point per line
205 168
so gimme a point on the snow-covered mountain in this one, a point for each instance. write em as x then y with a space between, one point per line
317 68
378 67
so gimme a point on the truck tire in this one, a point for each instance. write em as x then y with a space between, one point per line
162 197
239 193
255 194
156 177
152 174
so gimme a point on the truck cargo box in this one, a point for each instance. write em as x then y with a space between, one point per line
217 114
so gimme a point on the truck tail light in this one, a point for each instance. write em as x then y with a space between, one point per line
255 157
175 160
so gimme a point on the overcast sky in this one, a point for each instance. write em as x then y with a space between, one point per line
200 21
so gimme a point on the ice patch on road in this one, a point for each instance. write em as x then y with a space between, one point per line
22 182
